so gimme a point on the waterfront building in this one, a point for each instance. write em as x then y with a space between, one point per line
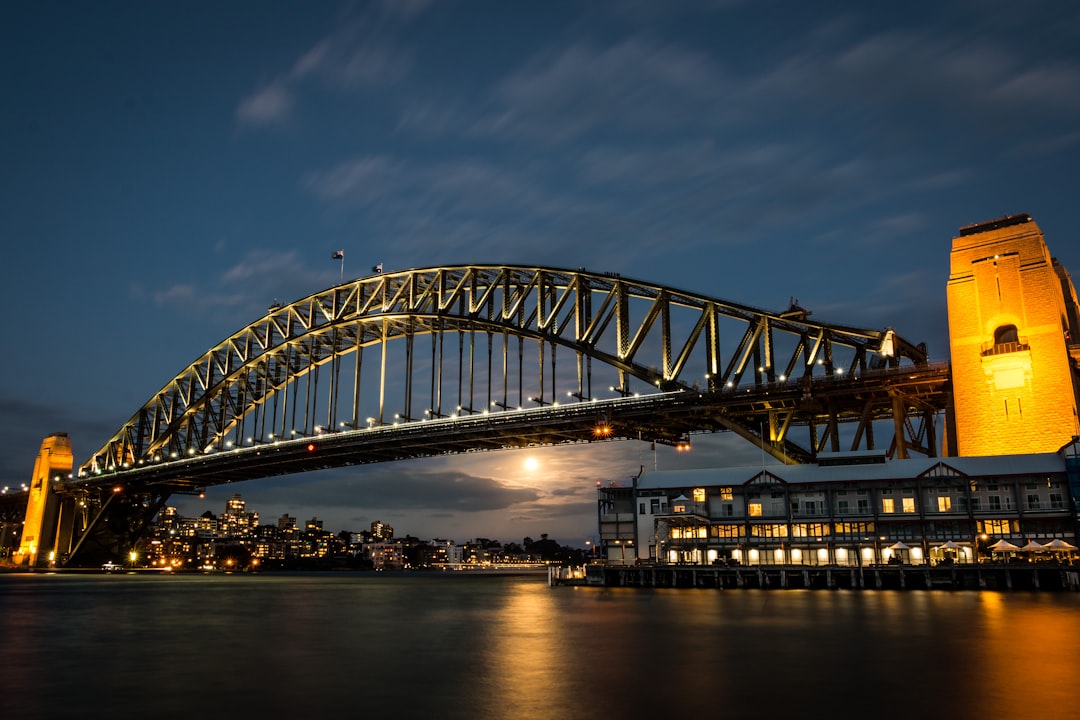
847 510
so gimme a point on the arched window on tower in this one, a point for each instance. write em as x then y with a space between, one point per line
1006 340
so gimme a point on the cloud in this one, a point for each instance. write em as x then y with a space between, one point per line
400 488
636 85
270 105
361 53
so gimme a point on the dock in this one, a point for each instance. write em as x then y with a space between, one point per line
1001 577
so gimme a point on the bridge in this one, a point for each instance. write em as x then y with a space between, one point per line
446 360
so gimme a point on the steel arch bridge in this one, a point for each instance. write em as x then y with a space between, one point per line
459 359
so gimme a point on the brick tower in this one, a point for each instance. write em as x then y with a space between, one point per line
1014 341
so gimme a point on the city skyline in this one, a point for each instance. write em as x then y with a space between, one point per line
170 172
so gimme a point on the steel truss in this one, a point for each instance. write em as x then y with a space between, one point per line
299 371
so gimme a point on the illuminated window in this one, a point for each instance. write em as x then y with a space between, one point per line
699 495
755 509
679 508
944 503
725 493
998 527
809 529
909 504
887 505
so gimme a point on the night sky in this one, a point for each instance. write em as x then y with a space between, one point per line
170 169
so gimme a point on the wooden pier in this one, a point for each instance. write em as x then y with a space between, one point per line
1019 576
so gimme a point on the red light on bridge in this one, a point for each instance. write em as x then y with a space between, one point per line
311 447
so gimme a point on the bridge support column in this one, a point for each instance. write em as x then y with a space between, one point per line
38 544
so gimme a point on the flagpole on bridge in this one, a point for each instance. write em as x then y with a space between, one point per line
340 255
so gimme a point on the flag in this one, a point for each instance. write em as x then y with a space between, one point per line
377 268
339 255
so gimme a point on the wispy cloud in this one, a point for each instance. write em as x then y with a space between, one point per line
361 53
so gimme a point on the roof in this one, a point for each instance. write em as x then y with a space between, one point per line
983 466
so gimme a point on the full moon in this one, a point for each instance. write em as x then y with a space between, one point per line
531 463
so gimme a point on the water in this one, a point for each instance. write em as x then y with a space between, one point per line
459 646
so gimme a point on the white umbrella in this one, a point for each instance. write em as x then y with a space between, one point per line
1057 544
1032 546
899 546
949 545
1004 545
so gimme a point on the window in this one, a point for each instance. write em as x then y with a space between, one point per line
842 507
680 508
1055 501
641 508
1033 501
654 506
699 495
776 530
728 509
1006 334
887 505
944 503
995 502
909 504
755 509
725 493
995 527
864 506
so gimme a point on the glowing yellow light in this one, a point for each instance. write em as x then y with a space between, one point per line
531 463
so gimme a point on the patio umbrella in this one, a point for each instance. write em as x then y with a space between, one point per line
1057 544
1004 545
949 545
1032 546
898 545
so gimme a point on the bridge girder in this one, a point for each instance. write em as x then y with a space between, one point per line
262 384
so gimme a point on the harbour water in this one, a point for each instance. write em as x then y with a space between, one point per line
453 645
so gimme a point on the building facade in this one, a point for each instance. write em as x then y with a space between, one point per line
1014 341
847 510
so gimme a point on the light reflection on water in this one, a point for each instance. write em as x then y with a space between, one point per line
444 646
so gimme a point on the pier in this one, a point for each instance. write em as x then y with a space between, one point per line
1018 576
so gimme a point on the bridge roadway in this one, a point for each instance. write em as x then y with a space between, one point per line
663 417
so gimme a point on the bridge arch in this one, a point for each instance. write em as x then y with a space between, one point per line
300 369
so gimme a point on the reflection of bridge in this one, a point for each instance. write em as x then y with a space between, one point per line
465 359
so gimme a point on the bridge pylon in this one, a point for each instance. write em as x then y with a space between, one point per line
42 525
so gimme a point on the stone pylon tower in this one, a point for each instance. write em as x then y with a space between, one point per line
54 461
1014 339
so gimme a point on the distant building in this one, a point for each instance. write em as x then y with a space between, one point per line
381 532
